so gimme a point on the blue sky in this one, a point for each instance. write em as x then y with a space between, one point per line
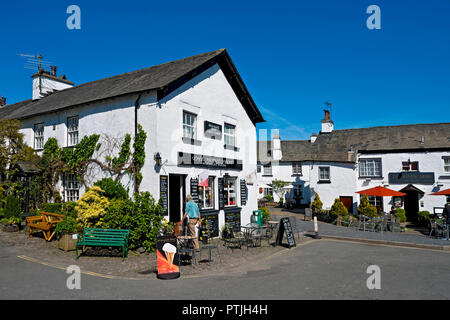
292 55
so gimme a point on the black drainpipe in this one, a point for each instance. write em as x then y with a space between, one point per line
137 104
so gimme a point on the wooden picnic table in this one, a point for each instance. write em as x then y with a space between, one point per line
45 223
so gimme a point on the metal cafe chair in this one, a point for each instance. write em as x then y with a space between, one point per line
436 228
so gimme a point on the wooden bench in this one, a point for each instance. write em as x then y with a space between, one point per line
44 223
104 238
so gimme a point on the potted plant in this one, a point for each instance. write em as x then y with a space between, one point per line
67 233
225 232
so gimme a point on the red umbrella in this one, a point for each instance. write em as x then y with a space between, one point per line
381 192
445 192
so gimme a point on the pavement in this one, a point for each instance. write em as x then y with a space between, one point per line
315 269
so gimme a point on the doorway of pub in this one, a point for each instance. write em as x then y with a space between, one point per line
177 197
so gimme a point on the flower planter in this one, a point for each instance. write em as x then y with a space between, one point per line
10 227
67 243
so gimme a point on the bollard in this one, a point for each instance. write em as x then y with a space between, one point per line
316 229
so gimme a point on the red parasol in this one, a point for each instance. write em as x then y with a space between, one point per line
445 192
381 192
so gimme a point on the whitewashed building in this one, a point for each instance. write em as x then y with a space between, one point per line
414 159
200 122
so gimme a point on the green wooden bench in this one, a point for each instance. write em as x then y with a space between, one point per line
104 238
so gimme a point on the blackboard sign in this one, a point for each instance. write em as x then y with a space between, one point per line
285 228
221 193
163 193
203 161
243 193
233 218
194 189
213 223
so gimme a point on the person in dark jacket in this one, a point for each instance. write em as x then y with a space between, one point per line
446 215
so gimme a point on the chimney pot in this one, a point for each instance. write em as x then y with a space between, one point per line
53 70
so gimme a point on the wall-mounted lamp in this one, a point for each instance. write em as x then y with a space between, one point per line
158 159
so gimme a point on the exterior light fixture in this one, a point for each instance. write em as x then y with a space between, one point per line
158 159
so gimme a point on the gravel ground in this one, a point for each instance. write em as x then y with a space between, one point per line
109 262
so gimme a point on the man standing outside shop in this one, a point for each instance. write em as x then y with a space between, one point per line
193 215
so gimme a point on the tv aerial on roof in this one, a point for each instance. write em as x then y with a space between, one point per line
35 62
328 105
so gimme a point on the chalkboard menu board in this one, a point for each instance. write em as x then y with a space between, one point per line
213 222
163 193
243 193
194 189
285 228
233 218
221 193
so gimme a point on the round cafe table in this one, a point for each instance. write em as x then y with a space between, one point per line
272 225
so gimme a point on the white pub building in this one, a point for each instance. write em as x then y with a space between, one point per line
413 159
200 122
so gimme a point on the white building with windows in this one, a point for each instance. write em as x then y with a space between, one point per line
413 159
200 122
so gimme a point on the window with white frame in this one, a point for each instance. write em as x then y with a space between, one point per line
446 164
324 173
267 169
376 201
229 192
296 168
39 136
410 165
189 125
206 195
370 167
229 135
72 131
71 187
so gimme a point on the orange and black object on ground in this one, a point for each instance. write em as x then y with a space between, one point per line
168 258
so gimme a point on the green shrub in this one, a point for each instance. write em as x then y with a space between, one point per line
423 218
265 214
143 217
317 204
281 201
12 207
68 225
338 208
366 209
112 189
269 198
52 208
400 213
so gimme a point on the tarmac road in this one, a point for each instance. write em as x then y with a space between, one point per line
319 269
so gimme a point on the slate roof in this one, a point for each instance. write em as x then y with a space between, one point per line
334 146
164 78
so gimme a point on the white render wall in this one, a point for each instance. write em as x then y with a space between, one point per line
208 95
428 162
47 85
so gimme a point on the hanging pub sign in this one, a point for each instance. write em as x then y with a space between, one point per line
213 130
163 193
285 228
167 257
243 193
194 189
198 160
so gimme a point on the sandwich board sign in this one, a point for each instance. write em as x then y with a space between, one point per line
167 258
285 228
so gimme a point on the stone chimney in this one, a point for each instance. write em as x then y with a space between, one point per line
2 101
276 147
45 82
327 124
313 138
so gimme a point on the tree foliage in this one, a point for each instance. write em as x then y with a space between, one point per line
338 208
317 204
367 209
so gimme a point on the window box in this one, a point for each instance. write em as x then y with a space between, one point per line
192 141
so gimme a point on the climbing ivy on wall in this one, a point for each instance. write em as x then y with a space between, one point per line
138 156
